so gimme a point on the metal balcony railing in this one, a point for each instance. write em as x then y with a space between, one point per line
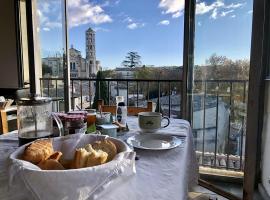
218 110
165 93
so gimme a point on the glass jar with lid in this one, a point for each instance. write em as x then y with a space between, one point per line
74 124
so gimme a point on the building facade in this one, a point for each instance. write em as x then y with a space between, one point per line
56 65
77 64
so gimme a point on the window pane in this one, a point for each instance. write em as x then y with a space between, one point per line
220 86
49 46
104 33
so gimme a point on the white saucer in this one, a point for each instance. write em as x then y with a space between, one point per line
154 141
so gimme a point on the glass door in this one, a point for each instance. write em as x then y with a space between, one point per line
219 92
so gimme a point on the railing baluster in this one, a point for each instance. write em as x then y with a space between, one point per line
41 87
108 92
117 85
137 93
159 103
48 89
81 92
217 107
56 95
89 93
229 127
148 87
99 89
170 93
243 124
127 92
72 95
204 100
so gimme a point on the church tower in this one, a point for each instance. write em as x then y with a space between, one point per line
91 51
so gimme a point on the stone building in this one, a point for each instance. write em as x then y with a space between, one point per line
77 64
56 65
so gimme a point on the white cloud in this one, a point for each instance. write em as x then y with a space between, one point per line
164 22
128 19
214 14
172 6
202 7
250 12
199 24
82 12
51 24
217 9
224 13
134 25
177 14
46 29
233 16
101 29
117 2
236 5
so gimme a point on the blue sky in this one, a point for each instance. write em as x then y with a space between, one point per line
153 28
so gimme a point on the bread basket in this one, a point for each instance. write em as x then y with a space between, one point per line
84 183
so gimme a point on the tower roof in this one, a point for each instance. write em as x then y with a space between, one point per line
90 30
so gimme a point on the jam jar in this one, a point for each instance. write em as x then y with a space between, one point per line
75 124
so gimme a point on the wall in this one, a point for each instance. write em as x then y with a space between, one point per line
266 141
8 55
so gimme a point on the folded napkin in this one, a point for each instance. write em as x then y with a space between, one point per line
84 183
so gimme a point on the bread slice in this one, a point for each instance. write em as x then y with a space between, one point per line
106 146
38 151
96 158
80 158
56 155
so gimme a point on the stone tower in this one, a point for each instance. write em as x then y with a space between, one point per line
91 51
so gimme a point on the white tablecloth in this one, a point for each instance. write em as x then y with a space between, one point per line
161 175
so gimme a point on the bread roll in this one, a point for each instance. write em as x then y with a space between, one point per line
106 146
38 151
50 164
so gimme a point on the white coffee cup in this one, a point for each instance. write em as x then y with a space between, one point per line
151 121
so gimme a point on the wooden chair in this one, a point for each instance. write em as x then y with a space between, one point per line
132 110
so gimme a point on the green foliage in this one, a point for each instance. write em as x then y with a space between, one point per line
46 70
101 90
133 59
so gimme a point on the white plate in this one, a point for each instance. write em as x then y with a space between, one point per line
154 141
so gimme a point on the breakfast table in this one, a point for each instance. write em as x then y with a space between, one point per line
160 174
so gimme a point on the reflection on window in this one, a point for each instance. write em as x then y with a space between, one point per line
220 84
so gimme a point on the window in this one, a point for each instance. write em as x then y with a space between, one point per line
154 32
49 34
220 84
